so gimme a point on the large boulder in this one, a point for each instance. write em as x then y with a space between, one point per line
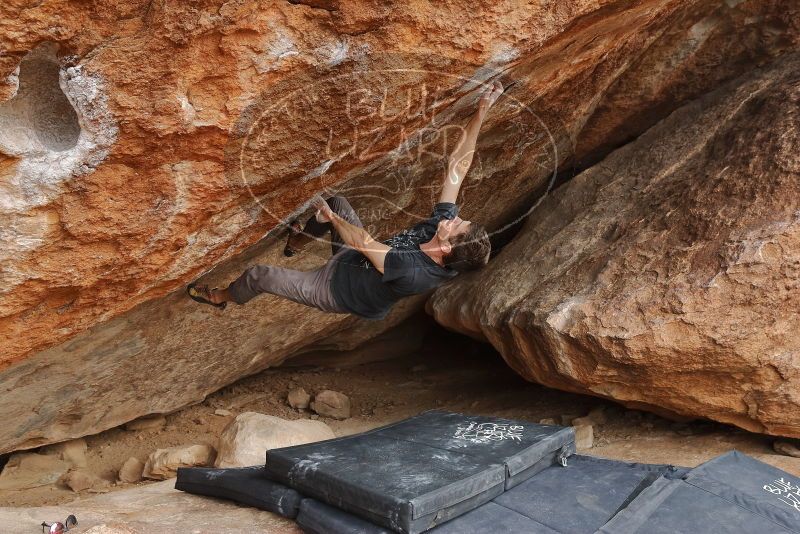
667 276
246 440
144 143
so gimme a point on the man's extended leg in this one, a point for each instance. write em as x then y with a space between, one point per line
311 288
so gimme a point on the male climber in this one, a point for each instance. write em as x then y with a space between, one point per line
367 277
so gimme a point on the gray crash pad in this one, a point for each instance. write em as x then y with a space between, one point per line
579 498
418 473
244 485
523 448
316 517
732 493
583 496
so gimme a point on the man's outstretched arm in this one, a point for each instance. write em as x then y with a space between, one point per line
460 160
354 236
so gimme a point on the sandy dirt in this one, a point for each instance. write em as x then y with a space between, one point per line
450 372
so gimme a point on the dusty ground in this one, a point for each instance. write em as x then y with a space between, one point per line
458 375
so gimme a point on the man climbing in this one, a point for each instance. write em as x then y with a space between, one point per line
367 277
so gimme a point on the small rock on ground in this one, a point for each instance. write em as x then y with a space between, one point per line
163 463
131 470
298 399
333 404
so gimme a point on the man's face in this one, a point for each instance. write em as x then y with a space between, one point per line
450 228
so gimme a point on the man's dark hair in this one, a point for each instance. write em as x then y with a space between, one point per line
470 250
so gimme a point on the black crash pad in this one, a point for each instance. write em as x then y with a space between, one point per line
244 485
319 518
579 498
523 448
732 493
415 474
316 517
583 496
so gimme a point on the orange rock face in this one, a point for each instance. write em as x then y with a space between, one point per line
665 277
144 143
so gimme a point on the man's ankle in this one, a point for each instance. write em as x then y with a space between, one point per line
218 296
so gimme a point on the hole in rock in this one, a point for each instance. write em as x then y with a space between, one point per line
39 117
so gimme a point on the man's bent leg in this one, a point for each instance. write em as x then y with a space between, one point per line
300 238
311 288
343 209
315 229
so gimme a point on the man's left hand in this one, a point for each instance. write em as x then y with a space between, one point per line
324 211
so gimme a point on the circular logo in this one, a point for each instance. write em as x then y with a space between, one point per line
383 137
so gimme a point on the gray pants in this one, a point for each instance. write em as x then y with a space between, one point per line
312 288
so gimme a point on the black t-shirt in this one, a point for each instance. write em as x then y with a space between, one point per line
359 287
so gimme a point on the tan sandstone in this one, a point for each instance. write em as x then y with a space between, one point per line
150 422
149 509
164 463
30 470
246 440
73 451
131 471
80 480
